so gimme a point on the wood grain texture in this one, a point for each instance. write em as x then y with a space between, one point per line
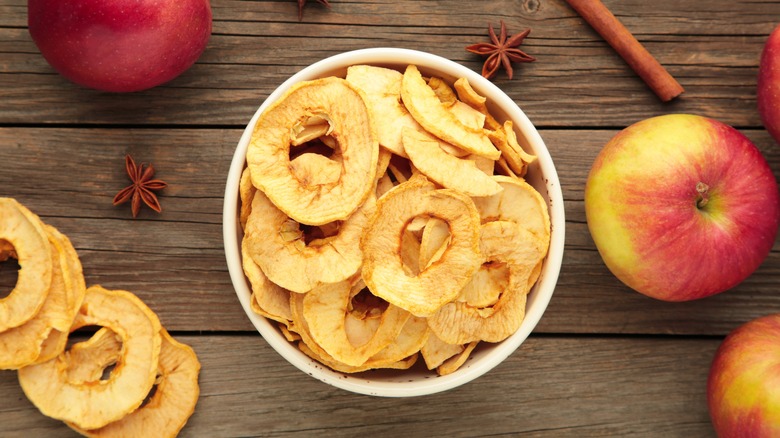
550 387
712 49
175 261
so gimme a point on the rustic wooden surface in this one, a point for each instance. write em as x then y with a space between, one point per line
604 361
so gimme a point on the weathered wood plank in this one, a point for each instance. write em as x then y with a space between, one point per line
578 81
550 387
175 261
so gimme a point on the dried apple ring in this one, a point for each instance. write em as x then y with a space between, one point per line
268 154
268 299
24 231
383 271
173 402
460 323
90 359
325 309
91 406
278 246
45 332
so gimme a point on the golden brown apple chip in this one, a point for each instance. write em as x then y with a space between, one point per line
268 299
404 364
469 96
23 231
315 126
89 361
268 153
445 169
432 115
382 90
441 282
443 91
91 406
460 323
516 158
246 191
435 240
170 405
279 247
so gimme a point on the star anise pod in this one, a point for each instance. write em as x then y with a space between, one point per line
501 51
302 3
142 187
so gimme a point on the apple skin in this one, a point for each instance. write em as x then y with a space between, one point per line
641 206
120 45
743 387
769 85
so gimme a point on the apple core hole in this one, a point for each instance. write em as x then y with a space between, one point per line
9 268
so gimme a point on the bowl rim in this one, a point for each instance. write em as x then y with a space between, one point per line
543 292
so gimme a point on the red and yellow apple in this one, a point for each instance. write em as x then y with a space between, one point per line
769 84
120 45
681 207
743 388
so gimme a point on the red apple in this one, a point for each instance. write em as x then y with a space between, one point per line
769 84
743 389
120 45
681 207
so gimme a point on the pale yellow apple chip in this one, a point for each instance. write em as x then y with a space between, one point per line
441 282
315 170
90 361
460 323
325 308
505 140
435 240
443 91
432 115
172 402
454 363
268 153
246 191
384 160
486 285
288 334
470 97
382 90
90 406
290 262
46 333
268 299
519 202
435 351
445 169
409 341
23 231
404 364
383 185
315 126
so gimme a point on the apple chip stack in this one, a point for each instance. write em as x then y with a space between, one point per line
386 217
130 378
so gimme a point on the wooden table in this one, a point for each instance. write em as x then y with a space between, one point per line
604 361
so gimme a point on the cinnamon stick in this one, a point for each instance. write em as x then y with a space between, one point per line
631 50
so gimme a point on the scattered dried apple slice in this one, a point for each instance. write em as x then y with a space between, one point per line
23 231
268 153
172 402
91 406
431 114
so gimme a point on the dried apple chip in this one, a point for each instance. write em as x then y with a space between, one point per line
434 241
90 360
431 114
454 363
439 283
403 364
45 333
382 89
268 153
172 403
461 323
91 406
445 169
435 351
24 231
246 191
470 97
519 202
409 341
268 299
325 309
442 90
516 158
278 246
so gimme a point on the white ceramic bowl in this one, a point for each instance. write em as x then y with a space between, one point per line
541 175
